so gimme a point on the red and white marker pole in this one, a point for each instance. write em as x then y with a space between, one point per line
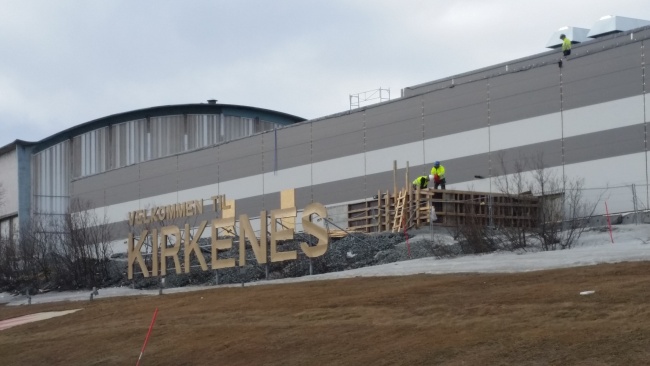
153 320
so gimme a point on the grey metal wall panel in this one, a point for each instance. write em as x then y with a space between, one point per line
466 168
250 206
524 95
338 125
548 154
303 197
396 133
395 111
380 181
338 137
531 63
199 159
197 177
340 191
198 168
93 198
240 158
248 146
292 148
158 167
88 184
122 193
455 110
453 121
338 146
394 123
603 76
271 201
122 176
605 144
458 97
114 186
158 185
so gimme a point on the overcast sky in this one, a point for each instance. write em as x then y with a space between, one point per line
65 62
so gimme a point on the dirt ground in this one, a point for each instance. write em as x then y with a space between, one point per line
535 318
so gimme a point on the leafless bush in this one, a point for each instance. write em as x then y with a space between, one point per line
81 247
562 213
64 251
9 269
515 186
474 235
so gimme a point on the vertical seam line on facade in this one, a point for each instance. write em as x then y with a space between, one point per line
562 126
489 130
365 158
424 153
311 162
645 123
275 161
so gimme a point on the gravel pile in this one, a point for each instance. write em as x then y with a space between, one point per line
353 251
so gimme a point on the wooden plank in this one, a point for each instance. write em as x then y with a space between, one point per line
288 200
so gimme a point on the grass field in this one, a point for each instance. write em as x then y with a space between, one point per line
535 318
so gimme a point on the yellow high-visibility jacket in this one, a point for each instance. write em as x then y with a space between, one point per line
422 181
440 171
566 44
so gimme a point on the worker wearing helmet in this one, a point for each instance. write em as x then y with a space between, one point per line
422 181
438 172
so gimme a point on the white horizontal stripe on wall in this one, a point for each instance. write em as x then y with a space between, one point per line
379 161
526 132
457 145
603 116
277 181
337 169
647 107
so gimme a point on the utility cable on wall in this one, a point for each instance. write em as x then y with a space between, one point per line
562 126
645 123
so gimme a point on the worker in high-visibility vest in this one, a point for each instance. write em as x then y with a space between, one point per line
438 172
566 45
422 181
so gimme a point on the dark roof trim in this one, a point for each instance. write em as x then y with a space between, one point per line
13 145
168 110
413 89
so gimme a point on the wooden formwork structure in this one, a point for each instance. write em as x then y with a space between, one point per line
413 208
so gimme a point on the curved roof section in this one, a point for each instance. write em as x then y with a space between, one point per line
168 110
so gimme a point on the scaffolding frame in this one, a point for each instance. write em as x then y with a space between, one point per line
380 94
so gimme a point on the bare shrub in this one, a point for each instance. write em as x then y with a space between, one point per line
82 247
562 213
475 236
515 186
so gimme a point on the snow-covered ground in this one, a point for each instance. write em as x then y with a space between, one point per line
631 243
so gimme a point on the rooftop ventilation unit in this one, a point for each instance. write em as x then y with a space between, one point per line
575 34
614 24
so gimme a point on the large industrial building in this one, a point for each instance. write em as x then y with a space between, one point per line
586 119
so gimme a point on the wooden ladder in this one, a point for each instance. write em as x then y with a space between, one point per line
399 210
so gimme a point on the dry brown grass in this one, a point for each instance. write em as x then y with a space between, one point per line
535 318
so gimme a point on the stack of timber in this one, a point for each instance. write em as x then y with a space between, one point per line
413 208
